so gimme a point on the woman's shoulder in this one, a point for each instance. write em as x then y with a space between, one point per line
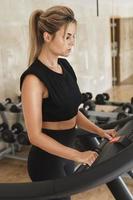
35 70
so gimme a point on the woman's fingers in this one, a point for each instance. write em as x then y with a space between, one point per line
111 132
91 157
87 157
109 137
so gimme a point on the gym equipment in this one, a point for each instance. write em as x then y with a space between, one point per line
89 105
116 124
127 108
23 139
9 136
122 115
3 126
117 186
3 104
99 117
3 108
114 160
10 152
88 141
106 96
103 99
16 108
95 146
86 96
85 141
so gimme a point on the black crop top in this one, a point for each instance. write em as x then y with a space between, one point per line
64 96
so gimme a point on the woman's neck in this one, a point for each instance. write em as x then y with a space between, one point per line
48 58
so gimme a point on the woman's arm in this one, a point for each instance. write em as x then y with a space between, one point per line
87 125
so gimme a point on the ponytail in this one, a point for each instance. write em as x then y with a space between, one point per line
35 38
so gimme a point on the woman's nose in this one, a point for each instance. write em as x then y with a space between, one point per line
72 42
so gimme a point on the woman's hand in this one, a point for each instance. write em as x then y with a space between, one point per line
86 157
109 134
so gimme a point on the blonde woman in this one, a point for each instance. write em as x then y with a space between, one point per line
51 97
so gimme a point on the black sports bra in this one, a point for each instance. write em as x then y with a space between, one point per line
64 96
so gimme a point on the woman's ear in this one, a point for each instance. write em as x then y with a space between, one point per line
47 37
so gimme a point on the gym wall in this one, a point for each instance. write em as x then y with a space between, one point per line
91 57
88 58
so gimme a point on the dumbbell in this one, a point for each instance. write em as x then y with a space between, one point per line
86 96
16 108
3 104
23 139
127 108
121 115
3 126
101 99
89 105
9 136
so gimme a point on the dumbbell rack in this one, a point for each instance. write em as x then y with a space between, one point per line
88 108
100 117
10 150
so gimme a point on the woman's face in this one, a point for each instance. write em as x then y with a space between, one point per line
63 41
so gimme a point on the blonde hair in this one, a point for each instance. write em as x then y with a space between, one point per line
50 21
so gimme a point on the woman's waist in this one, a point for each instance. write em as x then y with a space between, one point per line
60 125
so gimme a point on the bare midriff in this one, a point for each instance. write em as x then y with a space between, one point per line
60 125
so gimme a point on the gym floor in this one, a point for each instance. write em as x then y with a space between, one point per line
15 171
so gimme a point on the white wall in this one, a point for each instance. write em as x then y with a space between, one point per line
91 58
88 59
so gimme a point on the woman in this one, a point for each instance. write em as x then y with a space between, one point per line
51 97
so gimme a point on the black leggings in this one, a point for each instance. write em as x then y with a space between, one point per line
44 166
